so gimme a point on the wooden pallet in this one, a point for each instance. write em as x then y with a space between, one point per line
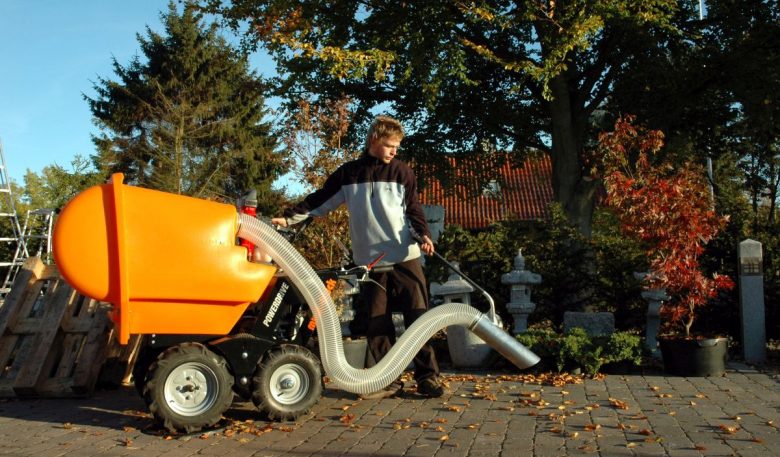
53 341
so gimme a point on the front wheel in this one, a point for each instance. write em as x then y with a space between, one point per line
287 382
188 388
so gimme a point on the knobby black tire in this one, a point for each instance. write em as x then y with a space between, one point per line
299 359
173 358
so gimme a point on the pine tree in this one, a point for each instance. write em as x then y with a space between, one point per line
188 117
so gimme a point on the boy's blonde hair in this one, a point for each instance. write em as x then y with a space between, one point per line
384 127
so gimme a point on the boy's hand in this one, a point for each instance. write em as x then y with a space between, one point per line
280 221
427 245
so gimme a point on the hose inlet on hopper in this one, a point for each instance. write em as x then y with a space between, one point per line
363 381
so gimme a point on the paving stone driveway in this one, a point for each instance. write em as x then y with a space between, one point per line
484 415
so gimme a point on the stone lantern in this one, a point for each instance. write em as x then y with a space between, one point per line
455 290
467 350
520 305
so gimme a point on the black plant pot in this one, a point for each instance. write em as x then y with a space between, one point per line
691 357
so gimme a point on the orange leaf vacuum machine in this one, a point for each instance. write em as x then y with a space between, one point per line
215 324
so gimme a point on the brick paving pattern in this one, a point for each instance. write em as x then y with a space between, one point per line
484 415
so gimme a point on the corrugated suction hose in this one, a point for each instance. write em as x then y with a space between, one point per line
363 381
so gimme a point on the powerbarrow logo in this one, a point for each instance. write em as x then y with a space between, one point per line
275 305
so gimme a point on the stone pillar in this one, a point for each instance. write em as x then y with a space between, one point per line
520 305
751 300
655 299
467 350
434 215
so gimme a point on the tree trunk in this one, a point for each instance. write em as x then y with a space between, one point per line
574 191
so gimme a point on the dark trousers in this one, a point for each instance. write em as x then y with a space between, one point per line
406 292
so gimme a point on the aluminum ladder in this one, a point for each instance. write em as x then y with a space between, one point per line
13 241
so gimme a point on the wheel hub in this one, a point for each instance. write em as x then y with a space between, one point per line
191 389
289 384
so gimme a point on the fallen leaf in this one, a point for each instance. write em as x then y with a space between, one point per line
645 432
444 438
620 404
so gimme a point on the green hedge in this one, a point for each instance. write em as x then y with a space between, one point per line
578 350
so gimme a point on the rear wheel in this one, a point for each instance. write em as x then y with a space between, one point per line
188 388
146 357
287 382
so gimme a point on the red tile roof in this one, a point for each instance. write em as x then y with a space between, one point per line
525 193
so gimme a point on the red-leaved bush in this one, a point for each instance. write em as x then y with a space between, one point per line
668 209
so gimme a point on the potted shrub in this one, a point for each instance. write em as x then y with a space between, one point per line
670 210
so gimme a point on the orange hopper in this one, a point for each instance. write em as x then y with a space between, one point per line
168 263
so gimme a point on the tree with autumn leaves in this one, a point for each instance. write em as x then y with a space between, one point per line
669 209
315 137
463 77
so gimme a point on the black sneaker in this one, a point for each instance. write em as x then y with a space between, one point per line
390 391
430 387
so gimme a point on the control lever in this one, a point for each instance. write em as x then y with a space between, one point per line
365 269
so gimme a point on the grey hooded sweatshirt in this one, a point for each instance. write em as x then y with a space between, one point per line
382 203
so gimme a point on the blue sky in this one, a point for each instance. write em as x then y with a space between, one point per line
50 52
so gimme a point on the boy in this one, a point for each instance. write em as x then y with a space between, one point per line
381 196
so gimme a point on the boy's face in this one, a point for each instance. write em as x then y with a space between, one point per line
384 148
